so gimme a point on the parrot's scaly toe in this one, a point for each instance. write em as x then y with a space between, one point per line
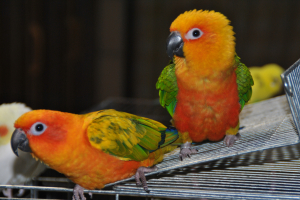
186 151
21 192
78 193
140 176
7 192
230 139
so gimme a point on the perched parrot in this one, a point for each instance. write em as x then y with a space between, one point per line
14 170
267 81
95 148
205 86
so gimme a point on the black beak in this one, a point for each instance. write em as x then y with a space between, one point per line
19 140
175 45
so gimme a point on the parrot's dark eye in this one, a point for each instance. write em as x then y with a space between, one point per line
196 33
193 34
38 128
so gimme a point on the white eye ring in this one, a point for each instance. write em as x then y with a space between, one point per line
193 34
38 128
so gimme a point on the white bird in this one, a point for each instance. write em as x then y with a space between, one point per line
14 170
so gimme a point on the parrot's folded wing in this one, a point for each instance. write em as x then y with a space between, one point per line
244 81
168 89
127 136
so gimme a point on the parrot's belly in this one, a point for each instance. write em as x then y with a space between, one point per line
94 170
207 114
96 178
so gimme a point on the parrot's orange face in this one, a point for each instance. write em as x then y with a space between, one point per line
44 131
203 40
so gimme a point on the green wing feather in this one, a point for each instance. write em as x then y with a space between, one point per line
168 89
244 81
127 136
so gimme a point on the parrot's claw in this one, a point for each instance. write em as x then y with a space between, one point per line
7 192
78 193
21 192
140 176
230 139
186 151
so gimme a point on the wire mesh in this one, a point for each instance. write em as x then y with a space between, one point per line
271 174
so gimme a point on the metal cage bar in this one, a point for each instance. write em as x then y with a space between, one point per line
291 83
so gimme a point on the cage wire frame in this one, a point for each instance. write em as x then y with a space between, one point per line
266 125
291 85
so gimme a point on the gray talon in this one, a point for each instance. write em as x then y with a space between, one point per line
78 193
140 176
186 151
230 139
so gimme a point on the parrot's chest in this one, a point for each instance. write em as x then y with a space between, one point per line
206 112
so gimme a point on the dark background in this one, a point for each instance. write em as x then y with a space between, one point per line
69 55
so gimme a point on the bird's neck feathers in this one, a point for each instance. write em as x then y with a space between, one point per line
190 79
207 62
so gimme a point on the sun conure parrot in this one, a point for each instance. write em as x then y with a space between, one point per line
267 81
205 86
14 170
95 148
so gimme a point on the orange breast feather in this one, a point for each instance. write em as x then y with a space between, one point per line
207 112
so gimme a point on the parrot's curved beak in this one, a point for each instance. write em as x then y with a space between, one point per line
19 141
175 45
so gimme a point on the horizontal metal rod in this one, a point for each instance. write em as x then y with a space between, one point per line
226 187
13 198
157 193
283 183
200 192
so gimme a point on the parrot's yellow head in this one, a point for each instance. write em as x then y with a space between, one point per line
8 114
45 134
203 40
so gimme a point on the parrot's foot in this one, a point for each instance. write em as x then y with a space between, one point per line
230 139
21 192
78 193
8 193
186 151
140 176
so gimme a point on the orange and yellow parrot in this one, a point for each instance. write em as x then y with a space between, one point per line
94 149
205 86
